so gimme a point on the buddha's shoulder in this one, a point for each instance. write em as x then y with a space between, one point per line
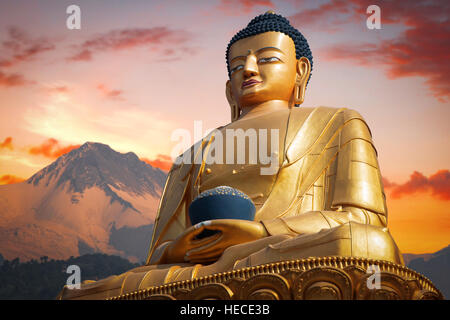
324 112
312 122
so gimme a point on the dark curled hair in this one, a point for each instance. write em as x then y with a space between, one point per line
273 22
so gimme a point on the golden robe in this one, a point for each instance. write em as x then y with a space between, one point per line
326 198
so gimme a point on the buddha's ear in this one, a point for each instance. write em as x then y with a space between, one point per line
234 108
301 80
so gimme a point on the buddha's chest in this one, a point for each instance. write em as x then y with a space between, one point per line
246 155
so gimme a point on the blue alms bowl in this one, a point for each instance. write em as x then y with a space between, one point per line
221 203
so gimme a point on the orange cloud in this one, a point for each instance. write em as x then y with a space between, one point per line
7 144
83 55
12 80
51 149
438 184
9 179
162 162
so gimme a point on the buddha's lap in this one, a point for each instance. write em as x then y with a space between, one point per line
350 239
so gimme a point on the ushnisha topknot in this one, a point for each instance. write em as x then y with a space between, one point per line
271 21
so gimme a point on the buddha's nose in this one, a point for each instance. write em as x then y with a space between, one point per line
251 66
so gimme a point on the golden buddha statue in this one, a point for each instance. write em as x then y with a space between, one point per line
324 197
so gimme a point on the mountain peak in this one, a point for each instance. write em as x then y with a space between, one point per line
445 250
97 164
94 146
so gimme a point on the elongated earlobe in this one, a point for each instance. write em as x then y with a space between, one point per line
234 108
303 72
299 93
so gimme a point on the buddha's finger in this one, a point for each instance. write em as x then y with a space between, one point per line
206 252
205 257
221 223
226 225
200 258
195 243
205 261
210 245
195 230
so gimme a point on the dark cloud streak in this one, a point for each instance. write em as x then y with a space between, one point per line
168 42
423 49
438 184
22 47
238 7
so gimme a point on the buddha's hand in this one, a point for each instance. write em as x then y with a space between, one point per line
209 249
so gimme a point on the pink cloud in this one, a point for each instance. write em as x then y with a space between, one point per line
58 89
21 47
17 48
327 16
235 7
108 93
421 50
168 41
84 55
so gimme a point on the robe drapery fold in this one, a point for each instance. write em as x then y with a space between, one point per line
329 166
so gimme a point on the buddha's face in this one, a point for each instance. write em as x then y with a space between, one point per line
263 67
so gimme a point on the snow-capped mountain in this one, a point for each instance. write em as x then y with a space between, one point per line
75 203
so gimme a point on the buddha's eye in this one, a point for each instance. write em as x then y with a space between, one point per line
269 59
237 68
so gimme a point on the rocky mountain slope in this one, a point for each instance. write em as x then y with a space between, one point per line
71 206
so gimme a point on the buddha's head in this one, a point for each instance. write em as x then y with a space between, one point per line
268 60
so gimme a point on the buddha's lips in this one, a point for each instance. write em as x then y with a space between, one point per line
250 82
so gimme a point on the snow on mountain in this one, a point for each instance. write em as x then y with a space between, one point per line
74 202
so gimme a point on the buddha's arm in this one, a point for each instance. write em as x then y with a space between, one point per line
173 235
314 221
159 255
171 218
354 193
355 190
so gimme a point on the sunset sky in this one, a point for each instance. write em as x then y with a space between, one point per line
138 70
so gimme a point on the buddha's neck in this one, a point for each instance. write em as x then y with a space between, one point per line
263 108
